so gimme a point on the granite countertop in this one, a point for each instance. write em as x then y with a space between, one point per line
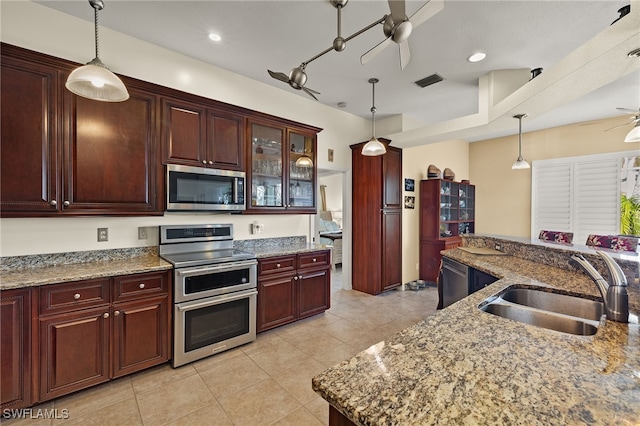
464 366
284 250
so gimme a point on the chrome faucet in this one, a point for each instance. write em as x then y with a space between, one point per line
615 296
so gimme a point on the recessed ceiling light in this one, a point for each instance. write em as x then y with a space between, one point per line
214 37
477 57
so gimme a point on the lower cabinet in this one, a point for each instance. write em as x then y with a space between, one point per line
430 257
292 287
15 352
93 331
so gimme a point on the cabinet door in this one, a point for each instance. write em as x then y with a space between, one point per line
313 292
391 249
302 171
267 159
29 143
392 177
225 140
110 156
140 335
183 133
15 332
276 302
74 351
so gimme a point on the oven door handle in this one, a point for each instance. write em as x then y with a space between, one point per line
218 268
218 300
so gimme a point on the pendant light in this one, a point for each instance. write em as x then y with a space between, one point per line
634 134
374 146
304 161
520 163
94 80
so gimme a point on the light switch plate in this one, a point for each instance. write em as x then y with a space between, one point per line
103 234
142 232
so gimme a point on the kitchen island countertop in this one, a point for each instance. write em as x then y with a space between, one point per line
465 366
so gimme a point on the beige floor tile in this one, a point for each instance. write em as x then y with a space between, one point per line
173 401
320 410
34 416
158 376
297 379
278 358
220 358
345 330
300 417
263 342
261 404
335 355
362 342
315 341
96 398
122 413
211 415
233 375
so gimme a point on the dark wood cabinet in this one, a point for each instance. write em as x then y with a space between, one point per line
95 330
292 287
377 220
64 154
278 184
447 210
194 134
15 353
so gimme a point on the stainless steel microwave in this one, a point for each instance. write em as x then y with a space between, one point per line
202 189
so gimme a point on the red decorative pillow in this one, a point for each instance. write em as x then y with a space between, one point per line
556 236
613 242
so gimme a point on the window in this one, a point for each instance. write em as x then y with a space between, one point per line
578 194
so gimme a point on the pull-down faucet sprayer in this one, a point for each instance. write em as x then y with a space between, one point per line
615 296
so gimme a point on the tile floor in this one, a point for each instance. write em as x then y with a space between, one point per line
266 382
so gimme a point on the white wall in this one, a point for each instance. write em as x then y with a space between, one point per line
45 30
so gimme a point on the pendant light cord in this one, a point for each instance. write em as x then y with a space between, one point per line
95 14
373 82
519 138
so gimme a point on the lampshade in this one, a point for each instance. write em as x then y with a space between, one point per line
520 163
94 80
374 147
304 161
634 134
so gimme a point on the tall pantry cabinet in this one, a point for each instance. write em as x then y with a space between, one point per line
377 220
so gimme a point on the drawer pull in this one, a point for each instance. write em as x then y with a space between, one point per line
116 313
314 259
295 278
141 285
105 315
76 296
277 265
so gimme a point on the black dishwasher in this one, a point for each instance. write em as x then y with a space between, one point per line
459 280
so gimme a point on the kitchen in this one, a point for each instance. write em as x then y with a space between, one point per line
34 26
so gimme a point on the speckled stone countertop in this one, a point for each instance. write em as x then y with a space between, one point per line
282 246
464 366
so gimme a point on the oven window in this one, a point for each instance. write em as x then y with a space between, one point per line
200 189
213 324
213 281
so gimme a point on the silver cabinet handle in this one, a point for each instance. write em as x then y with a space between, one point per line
204 161
76 296
277 265
116 313
53 203
141 285
105 315
295 278
314 259
66 203
210 162
300 276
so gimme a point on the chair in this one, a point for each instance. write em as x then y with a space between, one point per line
556 236
613 242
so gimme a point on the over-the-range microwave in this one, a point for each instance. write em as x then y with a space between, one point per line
202 189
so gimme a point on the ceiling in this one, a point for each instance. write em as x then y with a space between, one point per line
280 35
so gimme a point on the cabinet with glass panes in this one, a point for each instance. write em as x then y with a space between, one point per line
283 168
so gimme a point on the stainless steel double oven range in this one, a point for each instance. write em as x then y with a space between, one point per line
215 290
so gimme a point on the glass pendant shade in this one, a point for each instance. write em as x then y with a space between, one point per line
94 80
373 147
304 161
634 134
520 163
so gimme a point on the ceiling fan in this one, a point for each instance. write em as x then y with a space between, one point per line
635 119
296 79
397 28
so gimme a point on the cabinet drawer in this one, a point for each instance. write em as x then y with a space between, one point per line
77 295
276 265
314 259
141 285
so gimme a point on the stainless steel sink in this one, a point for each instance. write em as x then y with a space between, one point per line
553 311
555 302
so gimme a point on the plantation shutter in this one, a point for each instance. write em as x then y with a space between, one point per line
551 203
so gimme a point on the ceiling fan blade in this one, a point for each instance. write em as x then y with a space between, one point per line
312 91
405 54
619 125
279 76
632 111
428 10
308 92
375 50
397 8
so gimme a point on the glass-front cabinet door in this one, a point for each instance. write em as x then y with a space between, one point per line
283 169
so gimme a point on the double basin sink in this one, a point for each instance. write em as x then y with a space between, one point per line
548 309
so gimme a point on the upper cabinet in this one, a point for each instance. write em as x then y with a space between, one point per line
194 134
279 182
64 154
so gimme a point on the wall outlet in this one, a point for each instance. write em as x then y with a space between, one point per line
103 234
142 232
256 227
497 247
